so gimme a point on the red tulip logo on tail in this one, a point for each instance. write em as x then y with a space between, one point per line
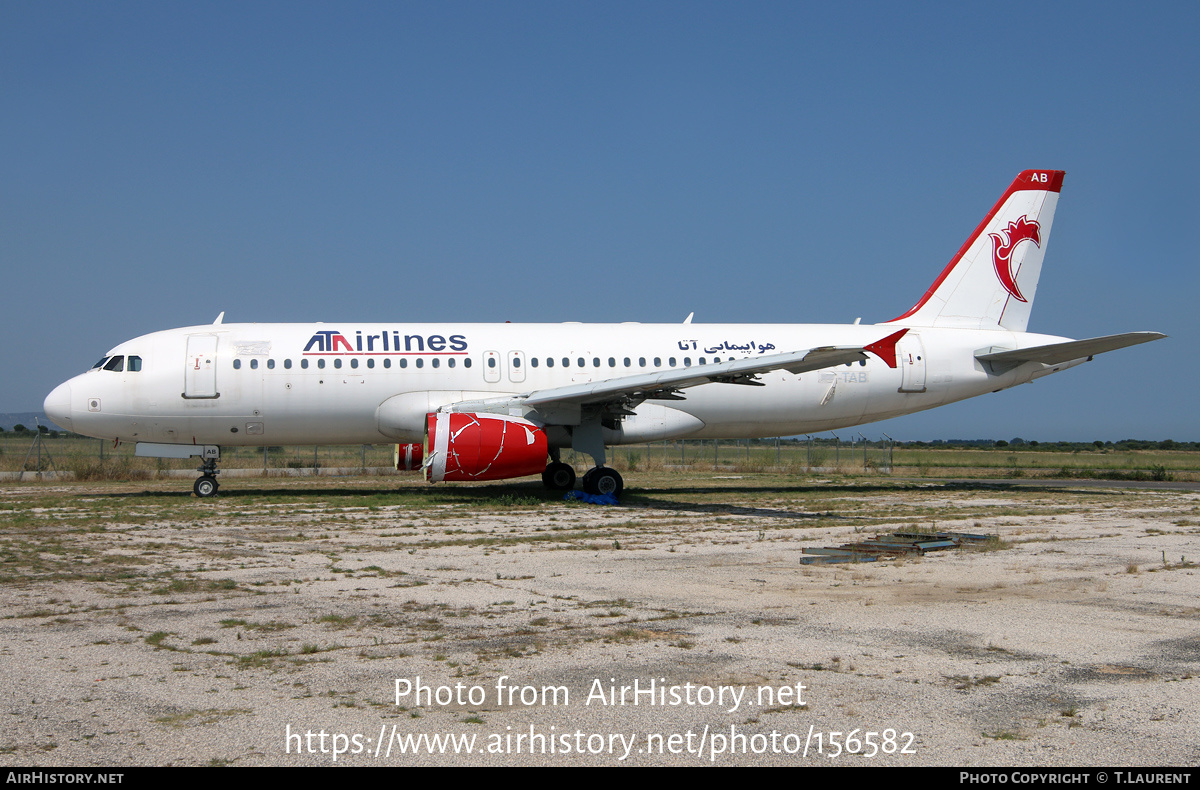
1003 244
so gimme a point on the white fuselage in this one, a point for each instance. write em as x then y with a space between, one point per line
498 401
343 383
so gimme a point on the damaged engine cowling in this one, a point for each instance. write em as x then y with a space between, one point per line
408 457
482 447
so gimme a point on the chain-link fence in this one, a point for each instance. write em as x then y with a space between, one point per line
99 459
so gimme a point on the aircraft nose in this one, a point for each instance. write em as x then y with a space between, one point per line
58 406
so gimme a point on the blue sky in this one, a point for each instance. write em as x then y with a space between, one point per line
751 162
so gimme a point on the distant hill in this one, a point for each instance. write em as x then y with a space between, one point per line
26 418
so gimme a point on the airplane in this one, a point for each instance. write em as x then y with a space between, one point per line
464 401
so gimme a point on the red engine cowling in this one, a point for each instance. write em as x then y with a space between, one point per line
408 457
482 447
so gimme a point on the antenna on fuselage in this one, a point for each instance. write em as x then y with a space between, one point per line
220 318
688 320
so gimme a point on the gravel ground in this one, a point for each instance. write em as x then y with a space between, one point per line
275 626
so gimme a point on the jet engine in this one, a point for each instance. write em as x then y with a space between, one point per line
465 446
408 457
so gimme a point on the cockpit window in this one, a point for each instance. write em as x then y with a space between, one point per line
100 364
135 364
116 363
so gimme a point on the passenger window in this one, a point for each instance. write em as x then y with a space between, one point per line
641 362
491 362
287 364
403 362
237 364
420 362
612 363
671 361
580 360
516 362
321 363
387 362
595 362
370 363
687 362
467 362
254 364
435 362
549 362
450 362
627 362
337 363
270 364
135 364
304 364
533 362
702 362
354 363
658 362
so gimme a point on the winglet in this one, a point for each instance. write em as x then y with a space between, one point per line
885 349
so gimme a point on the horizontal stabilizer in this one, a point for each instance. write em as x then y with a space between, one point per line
1056 353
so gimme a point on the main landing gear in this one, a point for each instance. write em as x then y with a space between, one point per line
599 480
603 480
559 476
206 485
586 438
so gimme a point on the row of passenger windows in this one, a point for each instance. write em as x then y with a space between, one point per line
612 362
627 362
337 363
120 363
466 362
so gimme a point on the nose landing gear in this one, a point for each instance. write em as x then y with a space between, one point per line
206 484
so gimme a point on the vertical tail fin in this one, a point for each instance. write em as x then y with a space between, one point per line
991 281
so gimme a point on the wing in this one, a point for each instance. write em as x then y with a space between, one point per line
666 384
1056 353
